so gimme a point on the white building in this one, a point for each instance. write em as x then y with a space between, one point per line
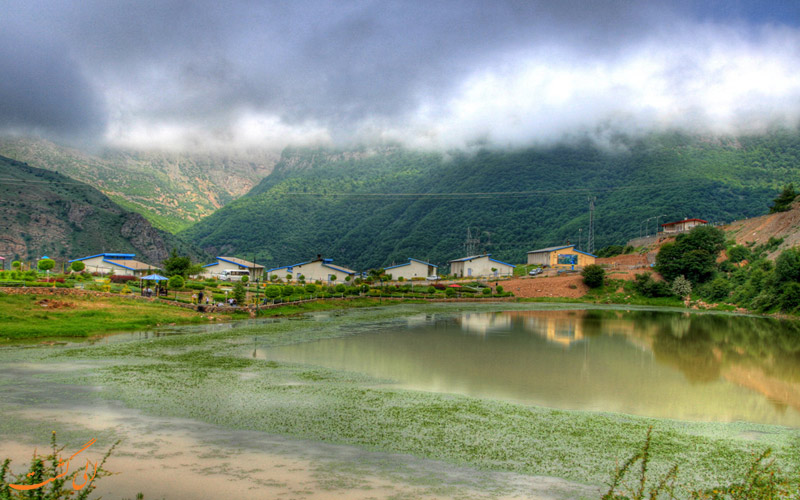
318 269
480 266
414 268
233 269
118 263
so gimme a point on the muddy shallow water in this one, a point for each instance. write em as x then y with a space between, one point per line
181 459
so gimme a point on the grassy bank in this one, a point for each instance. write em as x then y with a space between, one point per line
40 316
216 378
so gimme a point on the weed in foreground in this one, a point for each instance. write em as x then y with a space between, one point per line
762 481
51 470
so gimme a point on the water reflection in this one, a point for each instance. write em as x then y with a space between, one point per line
664 364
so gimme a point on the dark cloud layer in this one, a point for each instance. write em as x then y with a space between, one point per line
138 71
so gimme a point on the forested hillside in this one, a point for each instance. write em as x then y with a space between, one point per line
171 190
43 212
368 208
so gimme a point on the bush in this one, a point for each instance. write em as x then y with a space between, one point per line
431 290
195 286
311 288
790 297
450 292
273 291
719 289
487 291
287 290
122 278
682 287
499 289
16 265
645 285
340 288
593 275
239 293
245 279
176 281
46 264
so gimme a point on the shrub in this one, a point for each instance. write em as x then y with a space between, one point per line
274 277
17 265
681 286
450 292
499 289
311 288
176 281
239 293
340 288
287 290
593 275
487 291
122 278
645 285
790 297
46 264
431 289
719 289
245 279
272 291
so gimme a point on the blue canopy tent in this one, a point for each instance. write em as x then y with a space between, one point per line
154 277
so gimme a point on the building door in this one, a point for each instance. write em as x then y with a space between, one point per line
469 271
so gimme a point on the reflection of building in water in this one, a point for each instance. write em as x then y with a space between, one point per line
562 327
483 323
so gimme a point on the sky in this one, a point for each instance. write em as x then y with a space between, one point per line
242 74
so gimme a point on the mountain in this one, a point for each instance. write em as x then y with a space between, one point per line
374 207
171 190
44 212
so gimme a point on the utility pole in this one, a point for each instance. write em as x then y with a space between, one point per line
590 243
657 226
471 244
580 234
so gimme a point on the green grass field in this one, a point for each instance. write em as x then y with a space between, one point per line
40 316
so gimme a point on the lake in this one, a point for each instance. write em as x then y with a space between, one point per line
676 365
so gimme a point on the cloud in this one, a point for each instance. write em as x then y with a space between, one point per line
185 75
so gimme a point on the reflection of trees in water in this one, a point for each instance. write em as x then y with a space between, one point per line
700 345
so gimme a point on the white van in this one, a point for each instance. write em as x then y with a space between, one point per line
232 275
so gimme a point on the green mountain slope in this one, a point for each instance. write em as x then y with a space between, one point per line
371 208
43 212
171 190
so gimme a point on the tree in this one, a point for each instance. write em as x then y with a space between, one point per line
245 279
787 266
16 265
239 293
176 281
273 291
311 288
693 254
77 266
738 253
332 277
176 265
593 275
784 200
46 264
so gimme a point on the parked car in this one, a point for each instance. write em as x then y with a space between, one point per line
536 271
433 277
